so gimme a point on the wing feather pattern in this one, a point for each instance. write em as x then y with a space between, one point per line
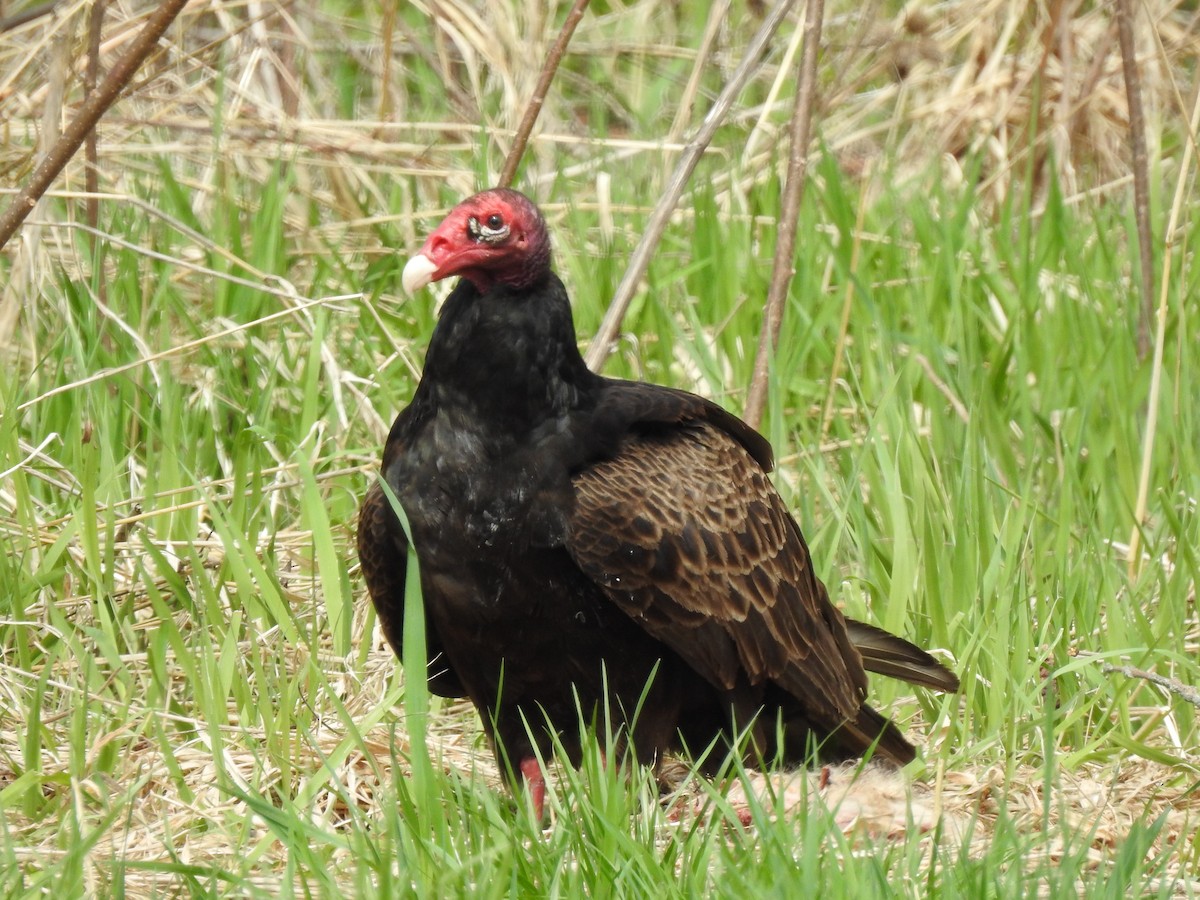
686 533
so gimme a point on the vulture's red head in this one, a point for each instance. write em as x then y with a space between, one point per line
497 237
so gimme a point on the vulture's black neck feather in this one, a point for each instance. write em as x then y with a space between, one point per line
507 358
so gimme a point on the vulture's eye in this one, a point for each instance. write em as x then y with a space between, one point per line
491 231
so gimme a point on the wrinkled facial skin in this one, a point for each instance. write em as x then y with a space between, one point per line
497 237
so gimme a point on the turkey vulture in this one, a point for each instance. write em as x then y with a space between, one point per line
589 543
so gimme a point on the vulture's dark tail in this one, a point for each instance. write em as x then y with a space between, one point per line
886 654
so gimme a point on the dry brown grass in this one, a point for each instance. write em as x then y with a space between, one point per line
924 84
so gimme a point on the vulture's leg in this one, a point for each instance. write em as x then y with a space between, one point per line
535 778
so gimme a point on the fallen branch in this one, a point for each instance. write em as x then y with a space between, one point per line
1174 685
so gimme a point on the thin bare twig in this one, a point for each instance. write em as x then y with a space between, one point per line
553 58
91 175
387 105
785 244
16 20
87 117
638 263
1160 340
1141 171
91 76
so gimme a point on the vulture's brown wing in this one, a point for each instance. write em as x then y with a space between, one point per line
688 536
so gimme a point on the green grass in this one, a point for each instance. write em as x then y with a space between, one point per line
192 696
